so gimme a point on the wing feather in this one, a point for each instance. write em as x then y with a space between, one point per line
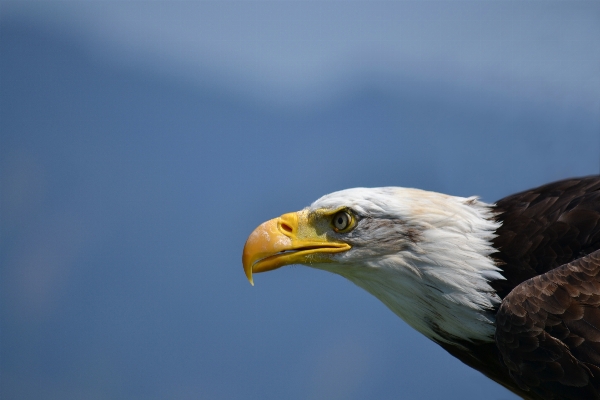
546 227
548 331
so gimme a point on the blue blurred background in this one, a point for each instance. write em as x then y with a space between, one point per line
142 142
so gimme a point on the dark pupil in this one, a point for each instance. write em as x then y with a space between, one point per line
341 221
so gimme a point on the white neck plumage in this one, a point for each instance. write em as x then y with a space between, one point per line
439 284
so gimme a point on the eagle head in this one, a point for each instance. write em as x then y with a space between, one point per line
425 255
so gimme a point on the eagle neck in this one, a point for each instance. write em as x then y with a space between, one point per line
439 284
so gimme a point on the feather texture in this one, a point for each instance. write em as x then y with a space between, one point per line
425 255
548 331
546 227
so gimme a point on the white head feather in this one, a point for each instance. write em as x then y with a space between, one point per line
425 255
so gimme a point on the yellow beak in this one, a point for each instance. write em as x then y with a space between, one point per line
290 239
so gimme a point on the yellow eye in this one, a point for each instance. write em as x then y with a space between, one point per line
341 221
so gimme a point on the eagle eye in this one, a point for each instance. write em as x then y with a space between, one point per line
342 221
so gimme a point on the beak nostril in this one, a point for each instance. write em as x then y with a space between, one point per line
286 227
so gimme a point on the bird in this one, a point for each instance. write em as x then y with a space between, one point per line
511 289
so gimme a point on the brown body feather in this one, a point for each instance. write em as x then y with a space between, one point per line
546 227
548 331
548 326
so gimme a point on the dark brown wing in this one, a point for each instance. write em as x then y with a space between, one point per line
548 331
545 227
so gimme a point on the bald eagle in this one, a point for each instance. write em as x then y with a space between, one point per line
511 289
